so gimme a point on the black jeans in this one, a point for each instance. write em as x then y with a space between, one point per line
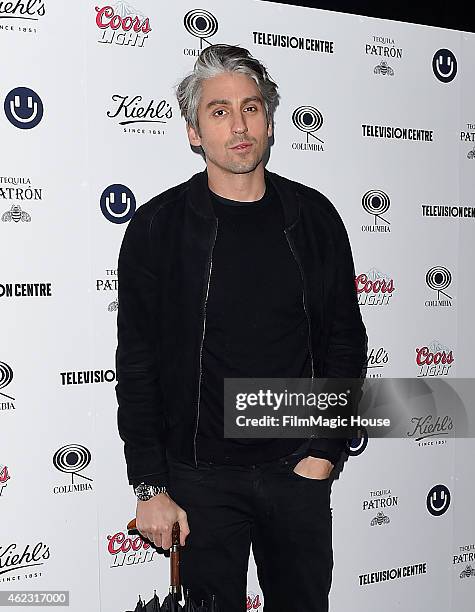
285 517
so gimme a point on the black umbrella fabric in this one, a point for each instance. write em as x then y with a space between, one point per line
171 603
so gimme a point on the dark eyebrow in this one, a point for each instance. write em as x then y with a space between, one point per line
227 102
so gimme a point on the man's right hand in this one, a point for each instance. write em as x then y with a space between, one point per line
155 519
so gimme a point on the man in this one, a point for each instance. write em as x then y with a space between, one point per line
237 272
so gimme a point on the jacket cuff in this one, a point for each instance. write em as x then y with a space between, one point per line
327 448
159 480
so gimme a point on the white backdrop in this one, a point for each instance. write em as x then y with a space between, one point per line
64 497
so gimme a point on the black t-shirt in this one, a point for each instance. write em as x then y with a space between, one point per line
256 325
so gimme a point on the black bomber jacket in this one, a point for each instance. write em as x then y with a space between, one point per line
164 271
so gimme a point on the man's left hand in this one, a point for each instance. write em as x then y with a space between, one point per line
314 467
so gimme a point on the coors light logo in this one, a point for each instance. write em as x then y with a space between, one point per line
4 478
374 288
434 359
126 550
122 25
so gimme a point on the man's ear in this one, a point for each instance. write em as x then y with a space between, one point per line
270 129
193 136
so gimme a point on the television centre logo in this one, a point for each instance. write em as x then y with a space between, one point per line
395 573
454 211
376 203
21 15
374 288
439 278
308 120
72 459
202 25
434 359
6 377
444 65
121 24
134 110
87 377
118 203
23 108
300 43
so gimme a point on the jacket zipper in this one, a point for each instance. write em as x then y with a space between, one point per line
304 301
210 266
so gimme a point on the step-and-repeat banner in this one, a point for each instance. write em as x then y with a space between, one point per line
377 115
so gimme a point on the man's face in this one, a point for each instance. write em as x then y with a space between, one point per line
233 129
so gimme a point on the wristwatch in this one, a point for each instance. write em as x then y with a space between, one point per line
144 492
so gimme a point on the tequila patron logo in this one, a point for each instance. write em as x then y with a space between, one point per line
202 25
376 203
133 110
379 501
16 191
438 279
465 555
4 478
384 47
118 203
109 283
434 359
6 377
121 24
73 459
308 120
125 550
468 135
374 288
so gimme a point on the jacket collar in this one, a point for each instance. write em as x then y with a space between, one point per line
285 189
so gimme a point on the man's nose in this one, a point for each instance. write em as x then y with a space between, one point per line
239 124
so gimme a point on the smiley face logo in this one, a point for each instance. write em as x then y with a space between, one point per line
23 108
118 203
357 445
438 500
444 65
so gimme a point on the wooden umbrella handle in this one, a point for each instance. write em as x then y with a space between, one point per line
174 555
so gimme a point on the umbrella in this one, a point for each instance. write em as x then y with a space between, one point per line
171 603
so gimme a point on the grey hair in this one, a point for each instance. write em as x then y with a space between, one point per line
215 60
